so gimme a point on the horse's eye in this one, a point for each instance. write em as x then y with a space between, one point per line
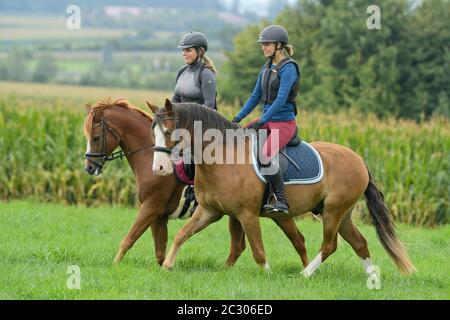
96 138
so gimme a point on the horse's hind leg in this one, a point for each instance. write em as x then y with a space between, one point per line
332 217
199 220
295 236
351 234
159 233
237 241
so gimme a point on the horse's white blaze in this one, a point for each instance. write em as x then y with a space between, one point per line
161 160
367 264
88 147
313 265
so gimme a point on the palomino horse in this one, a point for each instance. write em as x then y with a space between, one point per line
110 124
234 189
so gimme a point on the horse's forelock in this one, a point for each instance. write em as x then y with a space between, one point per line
88 124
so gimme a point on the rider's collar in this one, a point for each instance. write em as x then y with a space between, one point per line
195 64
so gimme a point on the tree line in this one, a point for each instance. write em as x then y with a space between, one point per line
401 69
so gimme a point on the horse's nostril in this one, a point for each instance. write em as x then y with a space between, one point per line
160 168
89 169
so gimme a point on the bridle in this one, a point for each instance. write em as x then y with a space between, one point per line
160 148
103 156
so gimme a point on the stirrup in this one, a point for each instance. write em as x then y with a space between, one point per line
272 208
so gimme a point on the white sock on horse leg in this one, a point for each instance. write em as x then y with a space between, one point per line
267 268
313 265
367 264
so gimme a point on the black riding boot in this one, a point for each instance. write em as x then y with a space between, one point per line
280 205
189 194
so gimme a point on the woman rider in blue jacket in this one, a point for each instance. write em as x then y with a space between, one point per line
277 87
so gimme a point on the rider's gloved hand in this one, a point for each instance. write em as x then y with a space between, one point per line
255 126
235 120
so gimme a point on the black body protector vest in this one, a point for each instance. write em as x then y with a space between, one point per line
271 82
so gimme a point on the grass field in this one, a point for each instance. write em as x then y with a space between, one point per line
40 241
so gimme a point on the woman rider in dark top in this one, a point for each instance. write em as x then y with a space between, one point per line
195 82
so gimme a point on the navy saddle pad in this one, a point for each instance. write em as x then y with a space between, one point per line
300 164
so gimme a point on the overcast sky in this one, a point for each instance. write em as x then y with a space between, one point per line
257 6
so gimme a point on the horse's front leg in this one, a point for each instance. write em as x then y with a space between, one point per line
252 228
148 213
199 220
159 233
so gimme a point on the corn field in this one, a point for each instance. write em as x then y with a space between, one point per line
42 147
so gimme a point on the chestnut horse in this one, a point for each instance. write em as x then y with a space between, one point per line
110 124
235 189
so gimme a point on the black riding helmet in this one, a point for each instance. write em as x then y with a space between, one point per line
274 33
193 39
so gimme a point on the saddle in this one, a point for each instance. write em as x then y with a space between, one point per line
300 163
295 140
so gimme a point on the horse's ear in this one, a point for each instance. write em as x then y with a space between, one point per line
152 107
168 105
98 114
88 108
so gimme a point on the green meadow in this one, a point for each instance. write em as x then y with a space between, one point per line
40 242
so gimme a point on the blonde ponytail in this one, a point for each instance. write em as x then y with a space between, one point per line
206 60
209 64
289 50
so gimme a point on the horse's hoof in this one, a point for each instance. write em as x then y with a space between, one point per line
305 274
229 263
167 267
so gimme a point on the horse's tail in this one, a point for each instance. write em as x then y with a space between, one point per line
385 227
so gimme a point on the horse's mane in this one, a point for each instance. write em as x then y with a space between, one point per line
188 112
107 104
123 103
